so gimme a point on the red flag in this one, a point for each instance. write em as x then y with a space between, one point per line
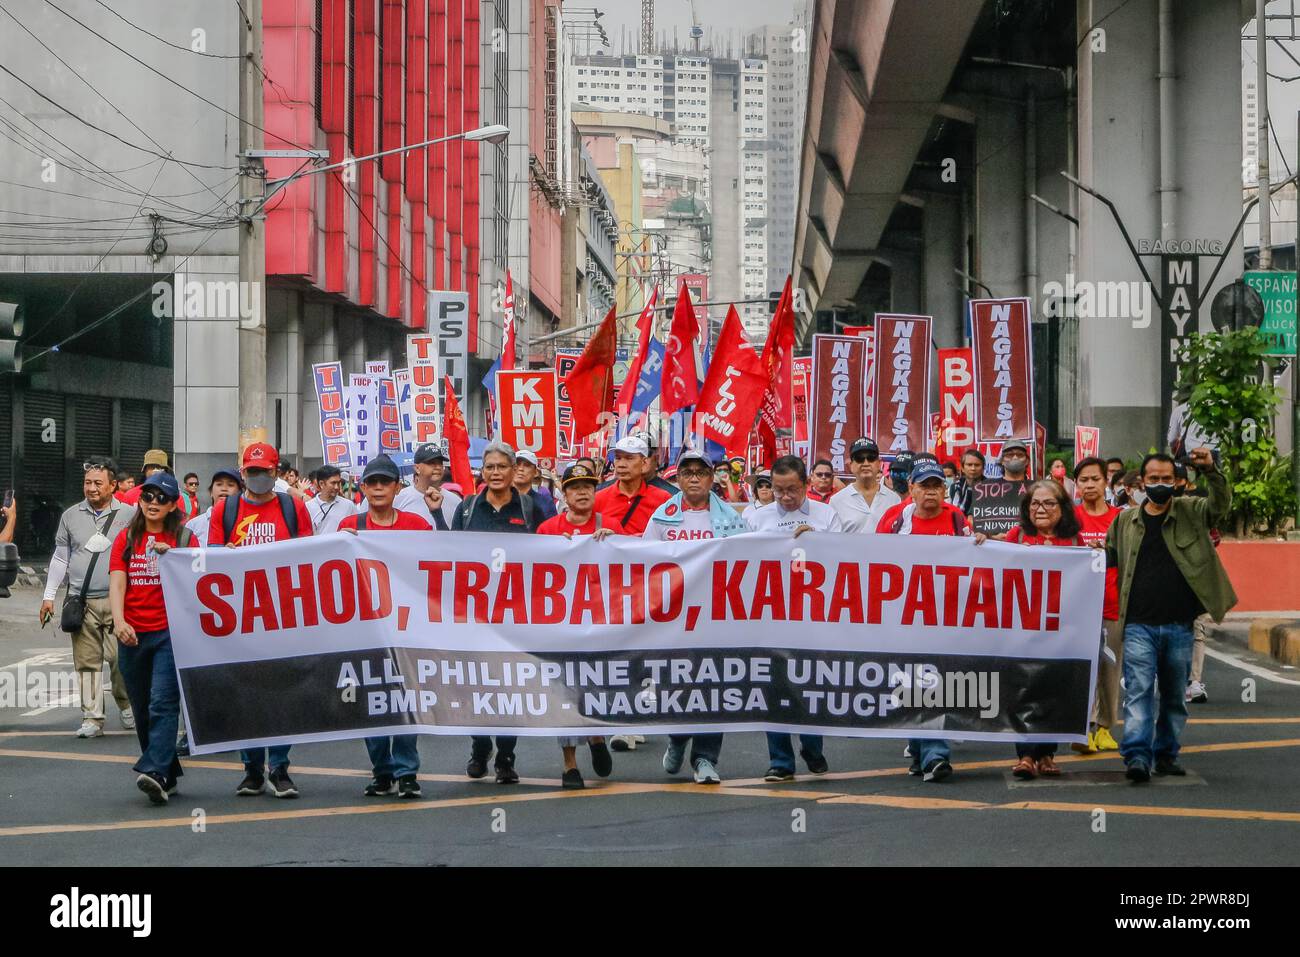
457 435
591 381
680 383
508 326
732 392
645 325
778 361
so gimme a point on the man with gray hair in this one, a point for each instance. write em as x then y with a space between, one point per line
498 508
86 533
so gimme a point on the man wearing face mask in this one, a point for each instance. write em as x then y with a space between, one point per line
899 471
1015 461
1169 574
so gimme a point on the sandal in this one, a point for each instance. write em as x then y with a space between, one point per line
1025 769
1047 767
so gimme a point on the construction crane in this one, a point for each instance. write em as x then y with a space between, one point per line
696 30
647 27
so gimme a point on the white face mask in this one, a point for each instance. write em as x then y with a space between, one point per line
1139 497
98 543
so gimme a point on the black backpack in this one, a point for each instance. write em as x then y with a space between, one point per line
230 515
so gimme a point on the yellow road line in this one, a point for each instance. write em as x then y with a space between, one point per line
1216 813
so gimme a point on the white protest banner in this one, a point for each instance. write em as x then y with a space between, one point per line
388 417
448 320
330 386
426 416
529 410
363 427
405 414
346 636
377 369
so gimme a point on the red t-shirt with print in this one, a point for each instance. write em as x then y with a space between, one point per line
406 522
560 525
256 524
143 606
1093 528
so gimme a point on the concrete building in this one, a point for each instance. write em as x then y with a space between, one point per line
930 127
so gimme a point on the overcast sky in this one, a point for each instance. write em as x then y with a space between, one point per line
623 17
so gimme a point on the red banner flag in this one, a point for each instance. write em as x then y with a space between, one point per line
530 417
457 435
591 383
729 399
1003 364
838 384
902 383
777 409
645 325
508 326
680 383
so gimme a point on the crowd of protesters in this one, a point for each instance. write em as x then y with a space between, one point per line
1155 525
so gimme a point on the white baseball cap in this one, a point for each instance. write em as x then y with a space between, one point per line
524 455
632 445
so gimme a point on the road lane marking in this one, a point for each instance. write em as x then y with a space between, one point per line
1248 667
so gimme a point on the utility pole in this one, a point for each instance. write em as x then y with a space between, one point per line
252 234
1261 136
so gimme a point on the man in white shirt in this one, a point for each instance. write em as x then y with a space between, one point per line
422 494
793 512
329 506
861 504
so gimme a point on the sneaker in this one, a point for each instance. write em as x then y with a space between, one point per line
408 786
170 788
1196 693
282 785
626 742
1087 747
907 752
183 746
381 785
602 762
778 774
937 770
817 764
915 768
506 773
674 756
1138 773
706 773
1105 741
90 729
154 786
128 719
477 766
1171 767
571 780
253 783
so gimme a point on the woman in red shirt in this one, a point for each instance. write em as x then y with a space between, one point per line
1095 517
1046 518
140 621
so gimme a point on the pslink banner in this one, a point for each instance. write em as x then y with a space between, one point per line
889 636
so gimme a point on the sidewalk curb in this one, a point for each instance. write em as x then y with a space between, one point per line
1277 637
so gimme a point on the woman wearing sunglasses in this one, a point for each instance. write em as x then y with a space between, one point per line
140 621
1047 517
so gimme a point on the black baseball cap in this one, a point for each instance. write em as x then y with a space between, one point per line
381 466
902 464
429 452
694 455
577 472
228 473
864 444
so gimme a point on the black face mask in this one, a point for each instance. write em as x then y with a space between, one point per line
1160 494
900 486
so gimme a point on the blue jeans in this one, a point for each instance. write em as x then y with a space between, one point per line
149 673
256 759
709 746
395 756
780 749
929 749
1151 651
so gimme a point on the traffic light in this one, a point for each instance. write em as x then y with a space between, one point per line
11 328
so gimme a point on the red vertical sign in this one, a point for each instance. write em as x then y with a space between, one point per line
1003 366
529 410
901 381
839 378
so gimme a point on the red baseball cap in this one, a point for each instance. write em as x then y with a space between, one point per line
260 455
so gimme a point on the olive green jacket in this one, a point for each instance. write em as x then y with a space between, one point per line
1186 530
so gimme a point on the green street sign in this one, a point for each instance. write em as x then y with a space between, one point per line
1278 290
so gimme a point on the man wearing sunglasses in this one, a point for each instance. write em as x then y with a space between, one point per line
85 533
822 486
861 505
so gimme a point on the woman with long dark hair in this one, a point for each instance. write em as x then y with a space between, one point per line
1047 517
140 622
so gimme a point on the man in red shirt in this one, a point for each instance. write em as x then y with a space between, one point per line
258 516
822 486
581 517
1095 516
927 514
626 506
394 759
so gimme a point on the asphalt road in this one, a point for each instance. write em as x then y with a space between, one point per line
65 801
